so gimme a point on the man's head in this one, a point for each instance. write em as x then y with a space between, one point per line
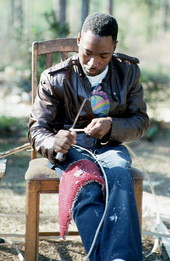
97 42
101 24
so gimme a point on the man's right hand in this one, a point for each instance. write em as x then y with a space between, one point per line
63 141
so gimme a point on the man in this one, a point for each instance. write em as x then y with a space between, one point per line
113 113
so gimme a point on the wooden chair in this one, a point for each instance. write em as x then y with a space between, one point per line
39 177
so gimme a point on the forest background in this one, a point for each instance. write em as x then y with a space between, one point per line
144 32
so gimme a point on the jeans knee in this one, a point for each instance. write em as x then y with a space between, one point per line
91 194
120 177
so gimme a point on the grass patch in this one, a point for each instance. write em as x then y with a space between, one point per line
12 126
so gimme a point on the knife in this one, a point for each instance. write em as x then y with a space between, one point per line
59 155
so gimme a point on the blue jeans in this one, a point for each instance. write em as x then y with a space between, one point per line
119 236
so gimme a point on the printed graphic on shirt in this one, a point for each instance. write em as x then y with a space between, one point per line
99 102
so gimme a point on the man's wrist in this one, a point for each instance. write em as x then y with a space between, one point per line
106 138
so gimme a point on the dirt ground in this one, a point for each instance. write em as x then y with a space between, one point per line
151 156
154 157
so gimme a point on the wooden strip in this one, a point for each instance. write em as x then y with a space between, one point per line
58 45
47 234
15 150
34 70
49 60
3 163
42 235
64 56
73 233
11 235
155 234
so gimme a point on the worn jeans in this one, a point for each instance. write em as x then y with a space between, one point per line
119 236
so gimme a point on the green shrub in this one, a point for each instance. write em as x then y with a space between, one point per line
12 126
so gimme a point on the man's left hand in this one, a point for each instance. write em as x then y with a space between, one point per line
99 127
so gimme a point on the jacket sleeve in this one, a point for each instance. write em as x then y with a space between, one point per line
134 125
42 122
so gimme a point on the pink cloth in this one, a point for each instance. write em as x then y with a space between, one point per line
73 179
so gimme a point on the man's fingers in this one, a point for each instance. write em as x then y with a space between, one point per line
64 140
98 127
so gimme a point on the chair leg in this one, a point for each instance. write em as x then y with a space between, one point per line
32 221
138 188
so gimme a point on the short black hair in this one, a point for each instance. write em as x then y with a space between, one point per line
101 24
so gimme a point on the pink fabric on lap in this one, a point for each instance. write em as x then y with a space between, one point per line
76 176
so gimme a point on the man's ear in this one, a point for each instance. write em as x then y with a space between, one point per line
114 46
78 38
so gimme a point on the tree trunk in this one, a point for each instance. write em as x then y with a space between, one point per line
149 20
164 11
62 11
18 16
109 6
10 20
85 10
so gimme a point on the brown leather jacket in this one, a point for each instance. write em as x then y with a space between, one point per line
61 91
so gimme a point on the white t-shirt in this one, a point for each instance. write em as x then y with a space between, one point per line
94 80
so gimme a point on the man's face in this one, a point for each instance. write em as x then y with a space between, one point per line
95 52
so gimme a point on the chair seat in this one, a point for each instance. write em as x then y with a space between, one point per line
39 170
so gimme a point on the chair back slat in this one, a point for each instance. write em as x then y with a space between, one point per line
64 56
48 60
47 50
